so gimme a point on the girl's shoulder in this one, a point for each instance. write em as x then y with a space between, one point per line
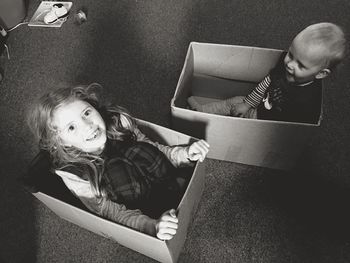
78 170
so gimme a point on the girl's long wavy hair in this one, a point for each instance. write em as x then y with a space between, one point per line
120 125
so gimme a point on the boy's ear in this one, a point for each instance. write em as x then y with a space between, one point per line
323 73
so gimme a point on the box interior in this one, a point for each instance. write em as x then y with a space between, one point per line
216 72
40 177
51 190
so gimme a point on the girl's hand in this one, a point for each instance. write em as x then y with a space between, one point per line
198 150
166 225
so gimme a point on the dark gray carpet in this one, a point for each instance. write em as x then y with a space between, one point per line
136 50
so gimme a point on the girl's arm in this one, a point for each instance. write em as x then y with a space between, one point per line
120 214
177 155
164 228
108 209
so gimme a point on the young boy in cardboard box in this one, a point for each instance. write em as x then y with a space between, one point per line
292 90
108 163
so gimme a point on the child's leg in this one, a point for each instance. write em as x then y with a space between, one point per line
220 107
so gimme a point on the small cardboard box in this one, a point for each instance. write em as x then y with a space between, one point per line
163 251
214 71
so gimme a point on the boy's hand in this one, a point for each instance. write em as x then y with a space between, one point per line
240 109
166 225
198 150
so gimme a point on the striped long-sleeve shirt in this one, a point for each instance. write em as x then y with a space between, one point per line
255 97
286 101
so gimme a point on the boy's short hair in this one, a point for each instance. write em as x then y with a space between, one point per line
331 37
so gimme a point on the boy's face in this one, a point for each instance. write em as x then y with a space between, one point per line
80 125
304 62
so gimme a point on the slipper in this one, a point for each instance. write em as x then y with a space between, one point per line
58 11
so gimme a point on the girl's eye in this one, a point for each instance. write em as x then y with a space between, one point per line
87 112
71 128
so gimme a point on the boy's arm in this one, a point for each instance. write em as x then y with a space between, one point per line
177 155
255 97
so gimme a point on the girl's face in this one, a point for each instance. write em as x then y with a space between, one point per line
80 125
304 62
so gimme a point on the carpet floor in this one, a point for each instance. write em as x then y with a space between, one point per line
136 49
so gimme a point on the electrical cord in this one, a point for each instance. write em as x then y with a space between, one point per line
19 24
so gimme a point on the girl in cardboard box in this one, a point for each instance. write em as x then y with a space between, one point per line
292 91
108 163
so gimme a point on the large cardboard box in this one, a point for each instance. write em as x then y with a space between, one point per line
163 251
214 71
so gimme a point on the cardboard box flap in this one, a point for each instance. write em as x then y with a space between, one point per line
222 71
163 135
233 62
187 208
140 242
163 251
182 94
219 88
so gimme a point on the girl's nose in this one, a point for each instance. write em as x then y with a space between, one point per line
88 124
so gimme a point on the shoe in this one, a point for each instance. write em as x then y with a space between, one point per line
58 11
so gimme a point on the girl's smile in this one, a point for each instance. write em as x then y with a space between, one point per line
80 125
95 135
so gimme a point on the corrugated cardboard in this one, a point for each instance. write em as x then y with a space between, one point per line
214 71
163 251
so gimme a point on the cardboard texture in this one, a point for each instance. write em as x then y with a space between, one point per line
163 251
214 71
